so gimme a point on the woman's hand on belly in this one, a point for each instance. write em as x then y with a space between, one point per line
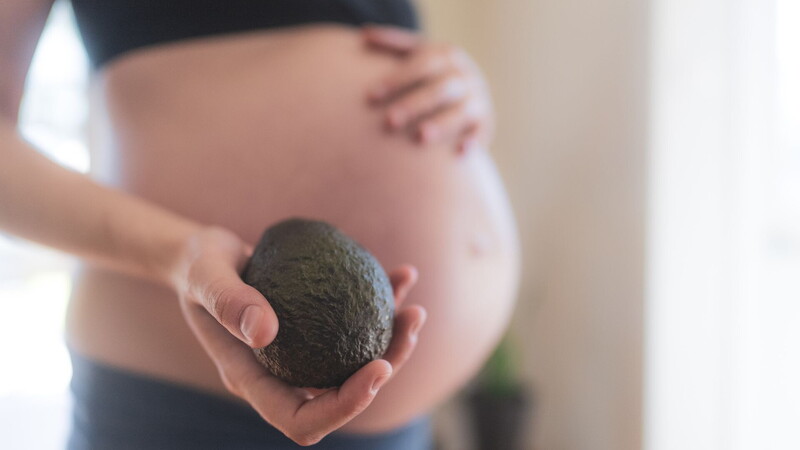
437 93
228 317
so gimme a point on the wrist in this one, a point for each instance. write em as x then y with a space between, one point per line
170 261
200 241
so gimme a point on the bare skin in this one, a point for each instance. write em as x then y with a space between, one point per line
198 147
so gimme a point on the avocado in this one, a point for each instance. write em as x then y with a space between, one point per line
334 303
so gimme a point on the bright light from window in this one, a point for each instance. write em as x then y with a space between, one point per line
723 367
768 391
54 112
34 282
787 189
773 309
788 52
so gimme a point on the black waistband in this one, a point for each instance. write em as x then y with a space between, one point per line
120 410
110 28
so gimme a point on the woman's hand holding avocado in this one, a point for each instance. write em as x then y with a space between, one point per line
438 94
228 317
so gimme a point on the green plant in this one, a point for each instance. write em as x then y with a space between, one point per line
499 376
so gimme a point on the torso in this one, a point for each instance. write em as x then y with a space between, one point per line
246 130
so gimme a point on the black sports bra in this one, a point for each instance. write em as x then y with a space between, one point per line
110 28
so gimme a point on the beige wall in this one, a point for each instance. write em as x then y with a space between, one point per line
569 79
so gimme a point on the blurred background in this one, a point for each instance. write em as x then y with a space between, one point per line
651 149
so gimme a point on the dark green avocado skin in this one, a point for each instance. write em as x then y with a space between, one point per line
333 300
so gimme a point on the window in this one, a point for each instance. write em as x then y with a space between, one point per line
35 282
723 340
768 376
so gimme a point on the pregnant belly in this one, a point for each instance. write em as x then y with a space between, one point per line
248 130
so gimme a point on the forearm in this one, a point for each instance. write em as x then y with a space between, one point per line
46 203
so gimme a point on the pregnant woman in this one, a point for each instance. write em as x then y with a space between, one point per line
213 120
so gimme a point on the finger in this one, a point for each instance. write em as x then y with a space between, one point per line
421 66
447 124
303 418
243 265
446 89
240 308
407 324
234 361
391 38
309 420
403 279
469 139
248 250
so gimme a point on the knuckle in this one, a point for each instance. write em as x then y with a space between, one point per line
358 404
221 301
237 383
231 384
361 404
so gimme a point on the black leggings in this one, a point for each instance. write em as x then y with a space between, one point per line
118 410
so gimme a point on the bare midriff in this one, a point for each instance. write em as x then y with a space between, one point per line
245 130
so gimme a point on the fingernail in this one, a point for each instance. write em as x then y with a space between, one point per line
379 382
250 321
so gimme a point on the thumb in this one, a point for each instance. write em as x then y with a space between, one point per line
391 38
242 310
